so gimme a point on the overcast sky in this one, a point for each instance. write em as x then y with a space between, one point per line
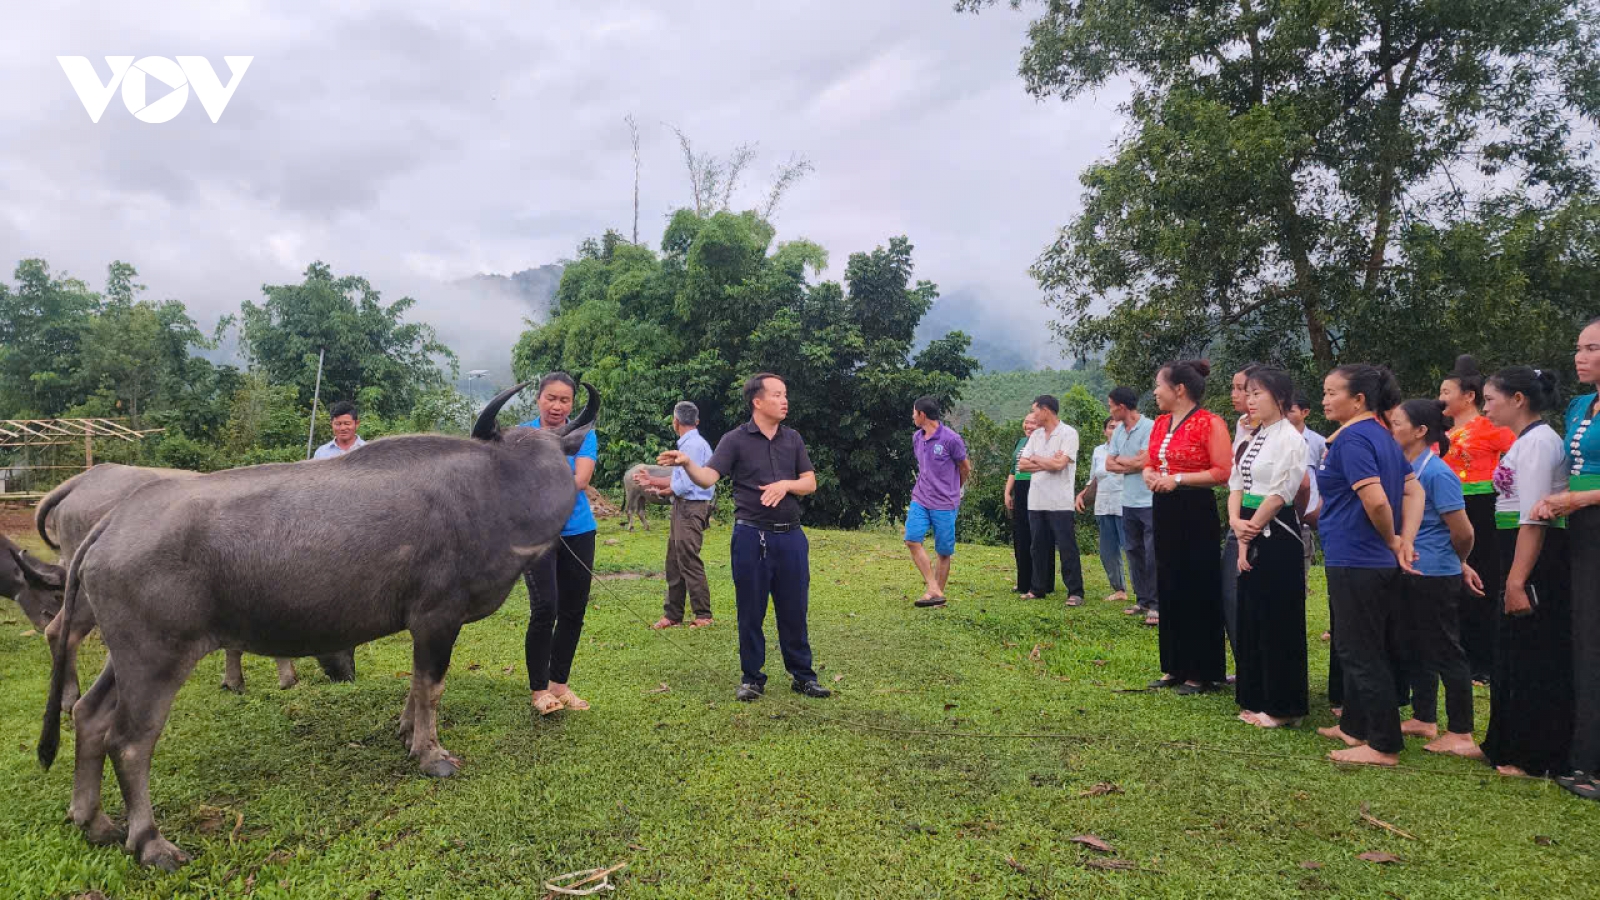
418 143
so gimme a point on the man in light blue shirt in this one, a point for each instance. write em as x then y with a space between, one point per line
1126 455
691 511
345 421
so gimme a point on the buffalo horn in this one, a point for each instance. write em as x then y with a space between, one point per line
590 408
487 425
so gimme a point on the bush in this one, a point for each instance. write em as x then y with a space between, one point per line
177 450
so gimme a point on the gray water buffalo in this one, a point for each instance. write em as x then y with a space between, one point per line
636 498
40 595
67 515
432 532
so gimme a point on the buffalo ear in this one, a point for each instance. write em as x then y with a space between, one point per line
573 442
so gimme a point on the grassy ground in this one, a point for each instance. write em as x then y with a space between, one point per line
306 792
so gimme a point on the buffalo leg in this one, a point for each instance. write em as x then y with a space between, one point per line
339 666
144 699
286 674
92 718
233 671
430 659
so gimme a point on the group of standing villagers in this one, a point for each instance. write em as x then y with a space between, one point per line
1458 537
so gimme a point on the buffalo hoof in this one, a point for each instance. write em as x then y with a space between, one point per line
443 767
233 688
102 832
162 854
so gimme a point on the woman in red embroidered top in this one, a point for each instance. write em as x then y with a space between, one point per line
1189 455
1476 445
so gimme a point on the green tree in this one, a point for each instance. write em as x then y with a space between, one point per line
1294 169
368 344
137 350
720 303
42 325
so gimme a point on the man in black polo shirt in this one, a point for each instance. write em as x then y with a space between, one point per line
770 470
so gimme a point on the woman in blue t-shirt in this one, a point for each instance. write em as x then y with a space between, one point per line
1433 622
559 581
1371 509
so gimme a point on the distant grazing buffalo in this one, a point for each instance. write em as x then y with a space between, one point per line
636 498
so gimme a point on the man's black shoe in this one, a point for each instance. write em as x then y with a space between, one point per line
748 692
811 689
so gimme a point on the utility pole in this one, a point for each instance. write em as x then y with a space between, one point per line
316 394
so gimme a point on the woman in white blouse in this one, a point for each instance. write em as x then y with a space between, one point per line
1269 472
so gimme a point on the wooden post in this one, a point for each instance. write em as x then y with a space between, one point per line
88 445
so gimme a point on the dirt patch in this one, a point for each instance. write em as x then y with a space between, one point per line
16 520
628 576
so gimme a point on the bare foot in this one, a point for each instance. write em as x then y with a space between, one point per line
1338 712
1365 756
1335 733
1262 720
1248 715
1455 745
1327 636
1511 771
1415 728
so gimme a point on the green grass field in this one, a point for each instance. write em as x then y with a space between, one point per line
891 789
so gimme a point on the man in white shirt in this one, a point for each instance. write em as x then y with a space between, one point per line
344 422
1051 457
1316 447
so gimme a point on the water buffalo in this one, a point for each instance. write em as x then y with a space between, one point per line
636 498
65 517
432 532
38 595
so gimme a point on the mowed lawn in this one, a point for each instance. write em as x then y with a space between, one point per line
964 751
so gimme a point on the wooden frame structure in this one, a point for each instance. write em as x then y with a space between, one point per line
25 434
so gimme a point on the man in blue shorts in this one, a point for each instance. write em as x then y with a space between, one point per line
942 471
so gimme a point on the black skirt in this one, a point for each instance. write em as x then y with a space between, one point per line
1530 698
1270 657
1583 543
1188 533
1478 616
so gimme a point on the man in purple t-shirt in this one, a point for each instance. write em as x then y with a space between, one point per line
942 471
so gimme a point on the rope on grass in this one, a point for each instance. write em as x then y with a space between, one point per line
575 888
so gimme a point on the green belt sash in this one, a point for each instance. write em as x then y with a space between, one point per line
1252 502
1472 488
1584 483
1510 521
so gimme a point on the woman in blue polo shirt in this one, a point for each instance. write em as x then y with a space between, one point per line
559 581
1432 618
1371 509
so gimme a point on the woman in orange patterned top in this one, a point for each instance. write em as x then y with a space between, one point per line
1476 445
1189 456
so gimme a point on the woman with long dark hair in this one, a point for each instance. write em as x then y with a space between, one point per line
1270 639
1580 502
1372 506
1444 543
1476 445
1530 700
559 581
1188 457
